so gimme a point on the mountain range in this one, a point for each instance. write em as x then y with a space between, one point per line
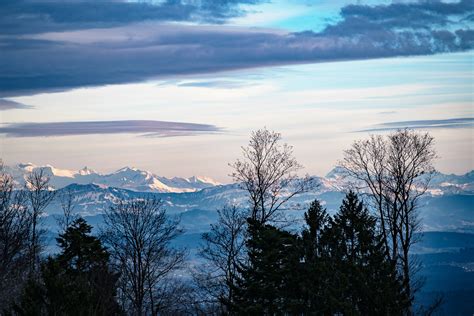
137 180
125 178
448 204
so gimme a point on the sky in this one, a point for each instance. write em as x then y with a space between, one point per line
175 87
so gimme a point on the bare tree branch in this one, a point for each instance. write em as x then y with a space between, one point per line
224 250
15 234
139 233
40 195
68 204
268 173
396 170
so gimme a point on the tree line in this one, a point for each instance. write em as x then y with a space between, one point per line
254 260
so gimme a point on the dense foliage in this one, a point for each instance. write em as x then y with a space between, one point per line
337 265
77 281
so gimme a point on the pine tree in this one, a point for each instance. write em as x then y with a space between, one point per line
316 265
78 281
365 281
270 283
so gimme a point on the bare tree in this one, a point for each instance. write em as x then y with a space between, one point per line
396 170
177 296
268 172
40 195
139 233
224 250
68 204
14 236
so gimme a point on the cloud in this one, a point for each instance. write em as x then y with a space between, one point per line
132 52
222 84
443 26
12 105
423 124
424 15
31 16
143 127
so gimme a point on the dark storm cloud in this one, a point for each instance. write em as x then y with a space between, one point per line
143 127
30 16
420 15
443 25
139 51
424 124
12 105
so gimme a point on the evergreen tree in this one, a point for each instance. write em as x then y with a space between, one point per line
316 219
364 281
78 281
317 268
270 284
337 266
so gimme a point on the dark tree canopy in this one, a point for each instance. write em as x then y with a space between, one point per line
338 265
317 266
270 283
365 282
78 281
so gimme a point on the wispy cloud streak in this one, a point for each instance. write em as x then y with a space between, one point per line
423 124
142 127
12 105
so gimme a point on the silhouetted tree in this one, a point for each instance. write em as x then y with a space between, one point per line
270 283
268 173
15 234
40 195
139 233
78 281
364 280
68 204
224 251
317 267
337 266
396 170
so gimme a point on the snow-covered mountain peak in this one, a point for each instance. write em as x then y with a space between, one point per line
28 167
127 169
336 172
86 171
49 170
130 178
202 179
59 172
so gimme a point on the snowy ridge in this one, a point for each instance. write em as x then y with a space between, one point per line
439 212
125 178
446 206
137 180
